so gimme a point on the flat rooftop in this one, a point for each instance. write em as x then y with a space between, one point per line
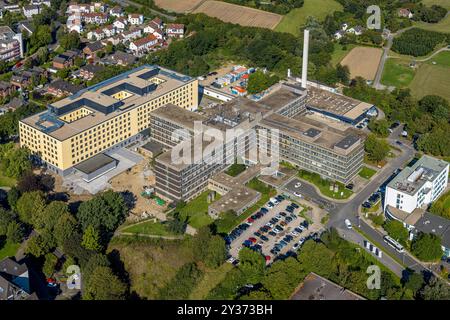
316 132
184 118
411 179
94 163
430 223
315 287
142 84
336 104
235 200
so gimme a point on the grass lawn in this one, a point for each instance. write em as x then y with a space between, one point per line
8 250
397 73
431 79
442 3
367 173
235 169
197 211
441 26
339 52
148 227
296 18
441 59
324 185
7 181
210 280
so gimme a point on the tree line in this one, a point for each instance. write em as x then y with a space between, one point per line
418 42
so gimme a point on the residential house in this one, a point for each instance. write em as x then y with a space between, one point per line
89 71
30 10
94 17
10 7
11 44
113 40
175 30
64 60
14 281
91 49
12 105
123 59
131 35
22 79
25 26
74 23
339 34
136 18
116 11
61 88
405 13
120 24
158 22
358 30
109 30
97 34
74 7
5 89
154 29
41 3
144 44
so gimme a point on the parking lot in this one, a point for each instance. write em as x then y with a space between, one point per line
275 232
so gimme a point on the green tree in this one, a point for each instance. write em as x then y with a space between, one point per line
104 285
49 264
37 246
414 283
91 239
343 73
260 81
379 127
41 37
64 228
252 265
377 149
14 233
14 161
104 211
181 286
283 277
13 197
436 289
217 252
6 217
427 247
396 230
63 73
30 205
70 41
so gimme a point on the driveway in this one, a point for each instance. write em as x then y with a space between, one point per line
308 192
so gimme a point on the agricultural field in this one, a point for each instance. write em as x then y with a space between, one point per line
340 51
244 16
431 79
294 20
363 62
177 5
397 73
442 59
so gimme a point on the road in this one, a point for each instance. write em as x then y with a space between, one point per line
377 81
350 211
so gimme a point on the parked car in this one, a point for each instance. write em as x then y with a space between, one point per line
348 224
257 234
283 214
283 223
253 240
298 230
273 234
288 219
297 194
294 205
264 210
297 185
264 238
366 205
350 186
270 204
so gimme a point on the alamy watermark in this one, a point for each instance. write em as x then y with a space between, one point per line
374 280
374 20
74 279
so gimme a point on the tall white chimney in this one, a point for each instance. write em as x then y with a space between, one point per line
305 58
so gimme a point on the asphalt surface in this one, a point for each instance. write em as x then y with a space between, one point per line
350 211
308 192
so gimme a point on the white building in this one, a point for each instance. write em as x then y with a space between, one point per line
135 18
41 2
30 10
175 30
144 44
415 187
120 24
74 23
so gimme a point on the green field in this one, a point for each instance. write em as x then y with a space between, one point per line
397 73
196 211
339 52
8 249
441 26
367 173
324 185
148 227
442 3
431 79
210 280
442 59
6 181
294 20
